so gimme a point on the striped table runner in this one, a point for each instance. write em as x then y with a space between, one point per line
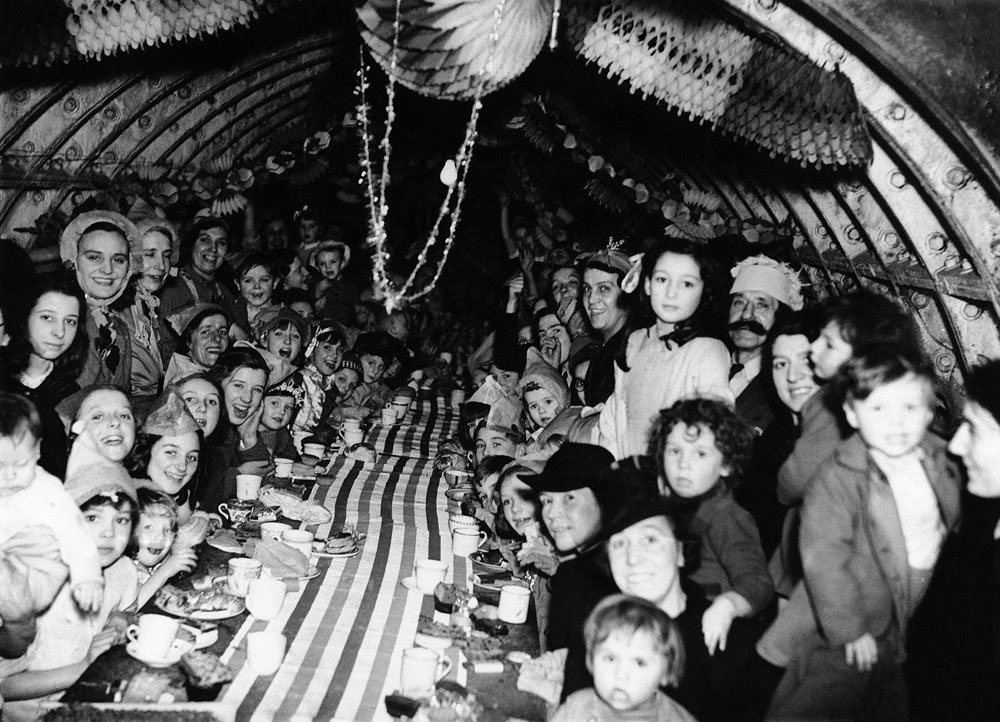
347 629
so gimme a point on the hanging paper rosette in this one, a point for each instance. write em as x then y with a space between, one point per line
230 197
279 163
444 47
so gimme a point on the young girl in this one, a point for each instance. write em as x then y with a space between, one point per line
282 332
280 404
103 427
257 278
633 649
702 447
487 476
151 547
68 640
672 359
317 378
335 296
544 394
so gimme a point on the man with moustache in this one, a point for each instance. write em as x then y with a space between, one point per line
762 290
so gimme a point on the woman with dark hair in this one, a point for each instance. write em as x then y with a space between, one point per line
241 373
202 253
166 451
203 334
102 248
44 358
610 312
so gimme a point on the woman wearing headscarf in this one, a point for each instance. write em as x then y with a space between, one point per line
101 247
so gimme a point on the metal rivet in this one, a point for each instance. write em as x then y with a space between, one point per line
28 147
896 111
971 311
821 231
835 51
937 242
71 105
38 197
944 361
890 239
897 179
145 122
853 234
957 177
920 300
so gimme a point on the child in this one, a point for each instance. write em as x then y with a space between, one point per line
499 434
316 379
873 522
543 392
68 640
348 376
280 404
103 427
335 296
487 475
374 351
257 278
30 496
299 301
672 359
633 649
151 548
281 331
702 447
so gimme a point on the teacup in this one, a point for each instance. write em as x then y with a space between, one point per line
317 450
514 603
458 521
153 635
238 511
466 541
428 573
242 571
248 486
401 407
265 596
265 650
350 425
299 539
388 415
457 398
283 467
352 437
420 670
273 530
455 477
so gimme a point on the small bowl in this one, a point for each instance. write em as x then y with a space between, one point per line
463 493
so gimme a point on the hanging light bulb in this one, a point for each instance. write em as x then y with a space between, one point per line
449 173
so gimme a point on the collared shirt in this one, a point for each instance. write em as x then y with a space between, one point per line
742 378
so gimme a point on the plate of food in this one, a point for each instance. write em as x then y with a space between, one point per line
207 605
345 543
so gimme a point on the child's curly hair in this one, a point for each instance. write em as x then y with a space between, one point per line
734 437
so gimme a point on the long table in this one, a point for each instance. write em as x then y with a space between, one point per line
347 628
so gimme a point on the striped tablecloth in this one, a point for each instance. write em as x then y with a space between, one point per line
347 628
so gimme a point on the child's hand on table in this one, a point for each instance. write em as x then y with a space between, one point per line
862 652
715 624
89 595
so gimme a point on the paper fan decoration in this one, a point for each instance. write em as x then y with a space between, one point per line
445 45
694 60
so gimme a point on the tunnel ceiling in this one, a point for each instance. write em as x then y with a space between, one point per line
920 222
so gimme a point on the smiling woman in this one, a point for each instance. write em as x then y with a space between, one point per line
203 331
102 247
235 447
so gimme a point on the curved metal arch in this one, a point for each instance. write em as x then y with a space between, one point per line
243 113
269 130
36 112
64 137
195 101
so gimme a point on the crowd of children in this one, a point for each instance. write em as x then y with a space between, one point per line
608 431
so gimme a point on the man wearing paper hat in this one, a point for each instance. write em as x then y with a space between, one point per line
762 289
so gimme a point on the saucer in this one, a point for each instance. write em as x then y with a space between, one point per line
313 573
410 583
177 650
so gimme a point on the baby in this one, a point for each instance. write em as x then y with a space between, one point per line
30 496
152 543
633 649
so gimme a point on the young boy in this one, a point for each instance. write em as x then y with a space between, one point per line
499 434
873 522
633 649
335 296
374 351
702 447
31 496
